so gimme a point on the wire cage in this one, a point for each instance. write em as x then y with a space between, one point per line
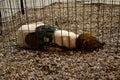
100 17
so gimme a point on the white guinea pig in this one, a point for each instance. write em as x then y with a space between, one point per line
27 30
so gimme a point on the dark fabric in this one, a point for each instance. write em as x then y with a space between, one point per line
45 31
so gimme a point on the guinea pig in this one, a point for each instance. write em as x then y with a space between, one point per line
88 42
26 35
64 39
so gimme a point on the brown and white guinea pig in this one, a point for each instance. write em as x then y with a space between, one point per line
81 41
88 42
26 36
64 39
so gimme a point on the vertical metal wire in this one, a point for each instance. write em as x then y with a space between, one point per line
2 15
4 11
68 24
59 13
63 8
18 19
54 8
26 17
0 20
31 8
43 11
26 12
72 13
19 16
83 15
118 36
22 7
32 15
71 16
5 43
98 16
112 27
75 10
111 23
68 14
8 14
60 17
3 4
103 13
0 23
91 14
52 12
15 9
40 2
12 22
35 16
49 10
11 10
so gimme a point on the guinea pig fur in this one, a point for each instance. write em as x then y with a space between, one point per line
26 37
64 38
88 42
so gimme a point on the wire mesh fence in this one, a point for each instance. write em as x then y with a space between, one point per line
101 18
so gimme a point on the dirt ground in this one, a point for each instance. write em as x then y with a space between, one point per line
102 20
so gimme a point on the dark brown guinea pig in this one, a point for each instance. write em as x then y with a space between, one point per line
33 40
88 42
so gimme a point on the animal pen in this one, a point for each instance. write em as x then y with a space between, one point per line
100 17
